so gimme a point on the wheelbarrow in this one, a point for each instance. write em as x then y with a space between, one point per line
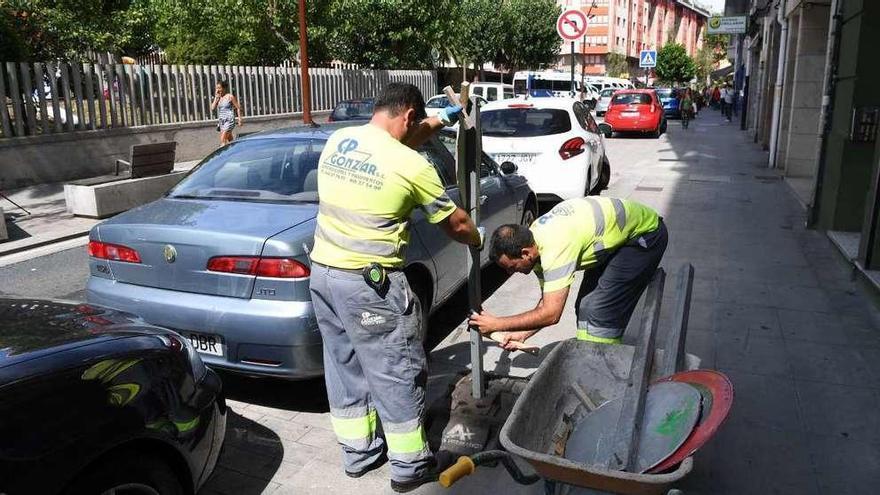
579 377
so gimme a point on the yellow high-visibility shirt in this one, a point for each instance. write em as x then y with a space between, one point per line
368 185
579 233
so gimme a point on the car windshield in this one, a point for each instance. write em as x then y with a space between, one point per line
664 93
353 110
607 92
524 122
270 170
438 102
631 99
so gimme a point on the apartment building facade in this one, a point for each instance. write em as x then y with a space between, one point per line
629 26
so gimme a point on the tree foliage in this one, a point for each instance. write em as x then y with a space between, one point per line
674 65
387 34
48 29
373 33
616 64
531 41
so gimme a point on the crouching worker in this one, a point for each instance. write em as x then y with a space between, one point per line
618 243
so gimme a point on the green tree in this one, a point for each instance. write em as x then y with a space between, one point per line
531 41
674 65
616 64
236 33
479 33
390 34
69 29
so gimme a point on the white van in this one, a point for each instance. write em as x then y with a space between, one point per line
492 91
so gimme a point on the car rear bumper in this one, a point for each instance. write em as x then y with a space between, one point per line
632 125
261 337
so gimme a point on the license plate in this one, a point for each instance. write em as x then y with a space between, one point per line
518 159
629 114
207 344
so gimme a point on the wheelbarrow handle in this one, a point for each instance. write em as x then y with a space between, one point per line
466 465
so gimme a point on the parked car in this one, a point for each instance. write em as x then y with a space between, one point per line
554 142
492 91
223 257
604 100
635 110
439 102
360 109
670 101
95 400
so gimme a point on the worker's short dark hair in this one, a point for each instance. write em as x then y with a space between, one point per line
510 240
397 98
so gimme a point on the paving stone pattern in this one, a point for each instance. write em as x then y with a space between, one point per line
774 307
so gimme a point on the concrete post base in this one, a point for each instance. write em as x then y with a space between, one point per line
103 200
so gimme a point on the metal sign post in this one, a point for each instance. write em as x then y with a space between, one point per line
469 150
571 25
647 59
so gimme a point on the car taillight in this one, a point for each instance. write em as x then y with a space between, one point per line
113 252
261 267
330 118
572 147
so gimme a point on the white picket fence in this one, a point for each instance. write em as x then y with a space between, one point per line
43 98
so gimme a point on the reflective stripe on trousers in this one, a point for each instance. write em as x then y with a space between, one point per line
374 364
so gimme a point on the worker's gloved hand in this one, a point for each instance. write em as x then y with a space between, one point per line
449 114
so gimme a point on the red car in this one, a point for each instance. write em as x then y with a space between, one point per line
635 110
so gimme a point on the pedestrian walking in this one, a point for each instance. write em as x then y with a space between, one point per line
618 243
227 108
687 108
728 102
370 178
716 97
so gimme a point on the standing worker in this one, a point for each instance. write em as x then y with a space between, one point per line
370 178
619 244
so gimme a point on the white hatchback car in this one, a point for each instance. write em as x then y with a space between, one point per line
439 102
554 142
604 101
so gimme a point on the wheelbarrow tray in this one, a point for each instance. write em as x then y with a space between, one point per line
547 408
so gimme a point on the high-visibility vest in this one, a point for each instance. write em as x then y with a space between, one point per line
368 185
580 233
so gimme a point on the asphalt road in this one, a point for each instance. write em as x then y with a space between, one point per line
60 275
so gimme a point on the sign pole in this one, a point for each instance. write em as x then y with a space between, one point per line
572 70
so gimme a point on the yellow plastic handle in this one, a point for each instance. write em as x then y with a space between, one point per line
462 467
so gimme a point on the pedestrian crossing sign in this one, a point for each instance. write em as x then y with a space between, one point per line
648 58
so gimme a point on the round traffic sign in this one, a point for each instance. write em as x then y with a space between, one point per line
571 25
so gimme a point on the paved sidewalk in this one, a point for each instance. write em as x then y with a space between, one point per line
774 307
48 221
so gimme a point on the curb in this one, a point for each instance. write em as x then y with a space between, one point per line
43 243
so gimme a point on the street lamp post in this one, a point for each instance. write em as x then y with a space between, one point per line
304 66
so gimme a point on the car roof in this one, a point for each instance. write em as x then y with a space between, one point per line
357 100
562 103
630 90
322 131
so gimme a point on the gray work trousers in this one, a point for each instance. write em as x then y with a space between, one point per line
374 363
609 293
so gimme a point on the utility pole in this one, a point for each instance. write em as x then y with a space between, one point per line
304 66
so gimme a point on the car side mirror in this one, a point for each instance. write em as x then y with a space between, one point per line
509 168
605 128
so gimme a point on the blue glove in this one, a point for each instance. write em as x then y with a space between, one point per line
449 114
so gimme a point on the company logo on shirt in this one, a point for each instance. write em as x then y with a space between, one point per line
348 157
369 319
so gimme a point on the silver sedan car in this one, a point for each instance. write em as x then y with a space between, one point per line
604 100
223 257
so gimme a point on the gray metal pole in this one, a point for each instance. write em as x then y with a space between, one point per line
572 70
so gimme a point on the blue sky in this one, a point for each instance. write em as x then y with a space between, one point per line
714 5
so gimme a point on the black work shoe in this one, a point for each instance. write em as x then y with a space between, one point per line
375 465
442 460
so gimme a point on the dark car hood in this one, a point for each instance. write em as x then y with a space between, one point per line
245 218
33 327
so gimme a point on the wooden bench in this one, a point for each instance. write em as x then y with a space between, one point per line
145 160
142 179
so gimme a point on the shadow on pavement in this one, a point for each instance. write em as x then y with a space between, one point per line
303 396
250 457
